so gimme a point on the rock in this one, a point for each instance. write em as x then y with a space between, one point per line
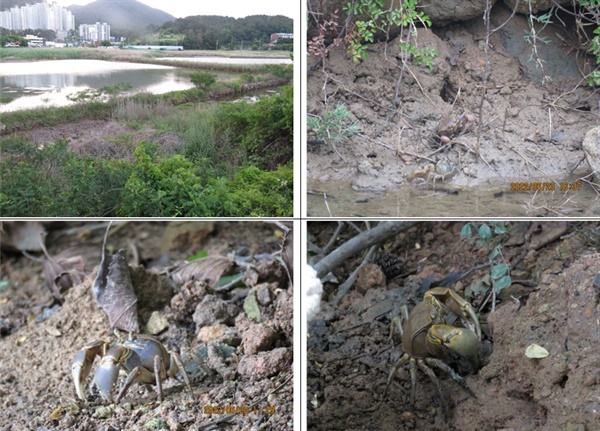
536 6
258 337
263 294
265 364
2 128
211 333
591 148
214 310
440 12
446 11
157 323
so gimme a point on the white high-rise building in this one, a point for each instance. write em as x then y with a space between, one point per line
46 15
94 32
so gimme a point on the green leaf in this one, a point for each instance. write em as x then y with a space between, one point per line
226 279
499 270
485 232
199 255
500 229
465 232
502 283
251 307
495 252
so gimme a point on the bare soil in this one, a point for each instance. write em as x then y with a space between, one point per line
251 362
553 302
530 121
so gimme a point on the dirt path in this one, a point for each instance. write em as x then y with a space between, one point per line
251 362
553 302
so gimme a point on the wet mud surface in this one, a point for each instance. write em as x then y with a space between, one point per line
553 301
525 130
250 360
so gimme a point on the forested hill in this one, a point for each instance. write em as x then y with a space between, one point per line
211 32
121 15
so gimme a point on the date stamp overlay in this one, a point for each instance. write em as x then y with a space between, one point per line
532 186
239 410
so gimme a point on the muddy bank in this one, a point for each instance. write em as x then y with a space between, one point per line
250 361
553 302
528 122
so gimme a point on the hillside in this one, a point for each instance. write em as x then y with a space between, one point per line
122 15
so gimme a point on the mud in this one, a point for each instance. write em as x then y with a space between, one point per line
38 346
529 128
553 302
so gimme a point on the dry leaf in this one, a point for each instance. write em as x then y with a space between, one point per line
209 269
114 292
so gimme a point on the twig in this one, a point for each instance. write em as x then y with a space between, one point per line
343 289
327 204
340 227
360 242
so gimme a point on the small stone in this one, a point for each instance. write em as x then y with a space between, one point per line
155 424
263 294
211 333
590 380
407 417
157 323
591 149
104 412
259 337
505 91
265 364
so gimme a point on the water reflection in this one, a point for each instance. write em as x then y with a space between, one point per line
48 83
417 201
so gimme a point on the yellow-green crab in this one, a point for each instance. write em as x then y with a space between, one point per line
430 339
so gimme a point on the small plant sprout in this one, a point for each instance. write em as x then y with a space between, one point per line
334 127
492 236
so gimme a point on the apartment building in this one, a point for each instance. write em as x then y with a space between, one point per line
46 15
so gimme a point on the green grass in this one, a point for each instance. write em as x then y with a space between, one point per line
231 159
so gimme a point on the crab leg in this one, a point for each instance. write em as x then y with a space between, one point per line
107 372
140 374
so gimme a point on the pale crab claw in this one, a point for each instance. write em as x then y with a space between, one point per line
82 364
107 372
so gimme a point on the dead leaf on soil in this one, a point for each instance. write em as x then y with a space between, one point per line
114 292
208 269
62 271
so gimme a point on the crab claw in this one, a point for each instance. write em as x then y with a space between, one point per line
82 364
107 372
445 341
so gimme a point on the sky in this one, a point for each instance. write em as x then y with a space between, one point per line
233 8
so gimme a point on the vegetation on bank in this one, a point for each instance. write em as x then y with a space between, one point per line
145 57
234 159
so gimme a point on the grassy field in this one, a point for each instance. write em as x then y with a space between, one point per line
229 160
11 54
143 56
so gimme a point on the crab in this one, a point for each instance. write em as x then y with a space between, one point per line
141 357
430 340
441 171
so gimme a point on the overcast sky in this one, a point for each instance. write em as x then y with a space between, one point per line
233 8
